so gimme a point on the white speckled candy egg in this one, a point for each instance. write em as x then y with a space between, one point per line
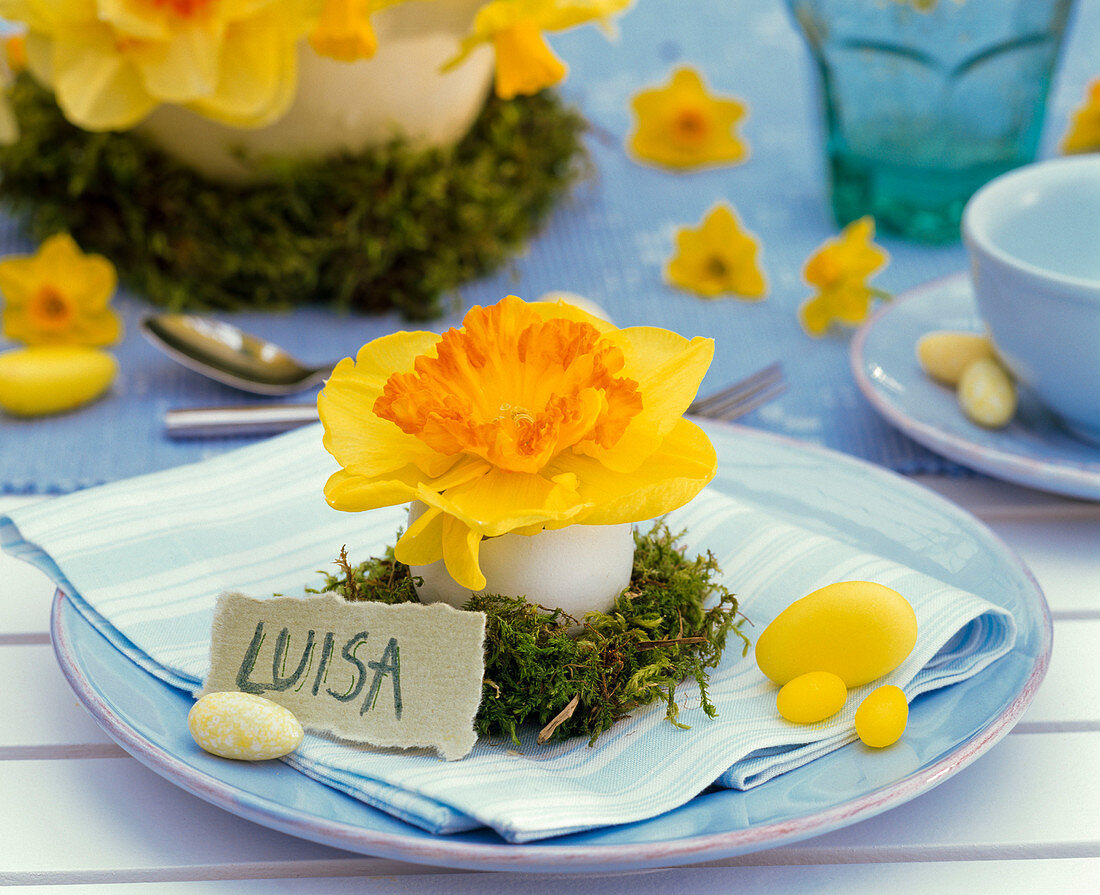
243 726
944 355
987 394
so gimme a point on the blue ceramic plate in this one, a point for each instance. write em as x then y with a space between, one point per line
828 492
1033 450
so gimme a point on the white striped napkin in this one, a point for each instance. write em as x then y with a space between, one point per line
144 559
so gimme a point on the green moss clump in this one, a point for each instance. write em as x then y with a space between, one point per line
671 623
390 228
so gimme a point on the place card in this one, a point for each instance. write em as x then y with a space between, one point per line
389 675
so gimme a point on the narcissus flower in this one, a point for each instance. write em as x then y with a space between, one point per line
717 258
525 64
111 62
683 125
840 269
344 30
1083 133
59 296
530 416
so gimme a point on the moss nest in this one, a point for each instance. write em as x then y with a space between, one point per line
392 228
671 623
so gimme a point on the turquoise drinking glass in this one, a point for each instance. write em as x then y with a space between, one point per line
924 101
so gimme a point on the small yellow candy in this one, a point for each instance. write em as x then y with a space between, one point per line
811 697
858 630
882 716
987 394
944 355
46 379
243 726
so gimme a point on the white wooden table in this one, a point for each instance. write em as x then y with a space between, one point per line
78 815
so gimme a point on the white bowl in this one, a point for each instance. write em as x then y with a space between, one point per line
1034 241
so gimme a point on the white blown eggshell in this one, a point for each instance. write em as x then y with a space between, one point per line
579 569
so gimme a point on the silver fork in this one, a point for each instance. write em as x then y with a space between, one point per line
744 396
269 419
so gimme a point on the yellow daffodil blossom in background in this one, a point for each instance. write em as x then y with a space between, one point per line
344 31
59 296
1083 133
525 64
683 125
530 416
717 258
839 269
111 62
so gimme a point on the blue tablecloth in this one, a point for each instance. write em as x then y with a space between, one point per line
609 241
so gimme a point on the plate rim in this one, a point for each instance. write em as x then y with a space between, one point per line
1067 479
547 855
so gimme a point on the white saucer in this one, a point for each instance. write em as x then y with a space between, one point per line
1033 450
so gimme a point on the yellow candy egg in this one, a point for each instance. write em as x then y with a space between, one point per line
882 716
943 355
858 630
46 379
987 394
811 697
243 726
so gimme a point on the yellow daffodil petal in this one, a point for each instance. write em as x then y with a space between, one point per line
673 474
422 542
179 70
138 19
97 87
670 369
258 77
719 257
1083 132
683 125
461 549
361 440
563 310
852 256
814 315
344 31
525 62
350 491
499 501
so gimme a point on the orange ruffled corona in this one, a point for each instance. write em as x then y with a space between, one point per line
531 416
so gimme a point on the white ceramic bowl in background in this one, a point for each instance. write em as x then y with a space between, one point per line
1033 236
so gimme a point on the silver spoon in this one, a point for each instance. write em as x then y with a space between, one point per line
229 355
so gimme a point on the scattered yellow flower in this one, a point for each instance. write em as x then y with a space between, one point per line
840 269
530 416
1083 133
682 125
59 296
111 62
717 258
525 64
